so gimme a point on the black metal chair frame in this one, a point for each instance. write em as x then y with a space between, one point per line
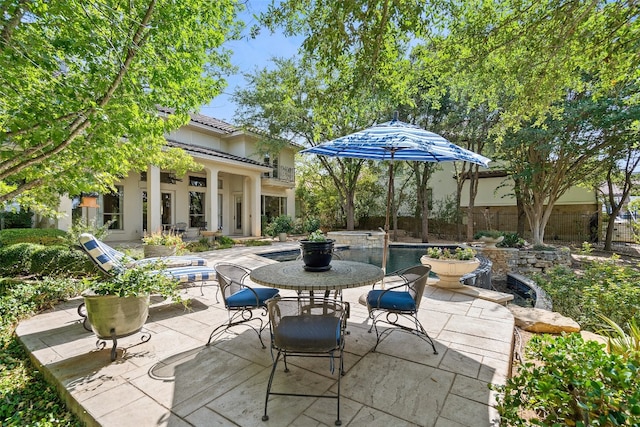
237 315
415 278
306 307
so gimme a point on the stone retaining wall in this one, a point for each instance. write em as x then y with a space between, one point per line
526 262
358 239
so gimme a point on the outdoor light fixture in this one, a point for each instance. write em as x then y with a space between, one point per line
88 201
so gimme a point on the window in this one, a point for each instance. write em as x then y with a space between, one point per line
166 178
271 160
196 209
112 205
273 206
197 181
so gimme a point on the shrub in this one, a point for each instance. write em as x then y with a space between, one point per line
280 224
572 382
60 261
25 259
22 219
42 236
16 259
224 242
512 240
604 288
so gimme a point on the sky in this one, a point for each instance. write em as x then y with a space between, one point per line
247 55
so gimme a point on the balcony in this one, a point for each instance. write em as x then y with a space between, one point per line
280 176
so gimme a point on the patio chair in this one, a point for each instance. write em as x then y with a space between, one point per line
306 327
109 261
240 299
390 305
179 228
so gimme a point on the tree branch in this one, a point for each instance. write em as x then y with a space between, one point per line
82 121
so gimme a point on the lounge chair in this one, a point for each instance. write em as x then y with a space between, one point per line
108 260
127 261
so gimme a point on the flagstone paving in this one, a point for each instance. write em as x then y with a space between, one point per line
174 379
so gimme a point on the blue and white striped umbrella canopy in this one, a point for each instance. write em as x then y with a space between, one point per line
396 140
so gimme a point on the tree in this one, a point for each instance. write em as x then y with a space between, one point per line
546 161
532 51
81 82
296 101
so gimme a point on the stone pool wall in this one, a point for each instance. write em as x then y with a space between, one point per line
358 239
525 262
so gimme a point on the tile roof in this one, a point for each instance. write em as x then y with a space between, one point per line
196 149
205 120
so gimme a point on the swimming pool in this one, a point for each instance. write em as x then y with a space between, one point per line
398 257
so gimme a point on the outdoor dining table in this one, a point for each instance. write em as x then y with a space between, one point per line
341 275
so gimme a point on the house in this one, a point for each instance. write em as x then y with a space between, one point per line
574 215
234 191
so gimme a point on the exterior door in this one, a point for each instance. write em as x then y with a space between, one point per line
167 209
237 214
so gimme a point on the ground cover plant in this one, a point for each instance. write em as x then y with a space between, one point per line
602 287
568 381
27 399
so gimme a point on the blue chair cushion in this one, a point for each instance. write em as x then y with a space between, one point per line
391 300
310 333
189 274
246 298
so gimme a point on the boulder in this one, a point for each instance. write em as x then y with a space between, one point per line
542 321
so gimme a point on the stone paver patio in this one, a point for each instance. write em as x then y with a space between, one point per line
175 380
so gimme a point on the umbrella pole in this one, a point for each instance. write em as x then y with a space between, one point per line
385 247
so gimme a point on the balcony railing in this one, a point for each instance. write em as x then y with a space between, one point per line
282 173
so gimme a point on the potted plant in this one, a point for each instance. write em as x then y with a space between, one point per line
489 237
118 306
450 264
280 226
161 244
317 251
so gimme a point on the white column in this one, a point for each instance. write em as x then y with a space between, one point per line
247 225
256 194
154 200
291 202
212 197
65 208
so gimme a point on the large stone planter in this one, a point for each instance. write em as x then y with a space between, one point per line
110 314
151 251
317 255
450 270
112 317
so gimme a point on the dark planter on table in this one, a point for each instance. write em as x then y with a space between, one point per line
317 255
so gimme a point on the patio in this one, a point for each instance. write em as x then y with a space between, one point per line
175 380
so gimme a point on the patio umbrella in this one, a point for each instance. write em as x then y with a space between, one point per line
396 140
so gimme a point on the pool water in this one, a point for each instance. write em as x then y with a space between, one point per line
398 257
